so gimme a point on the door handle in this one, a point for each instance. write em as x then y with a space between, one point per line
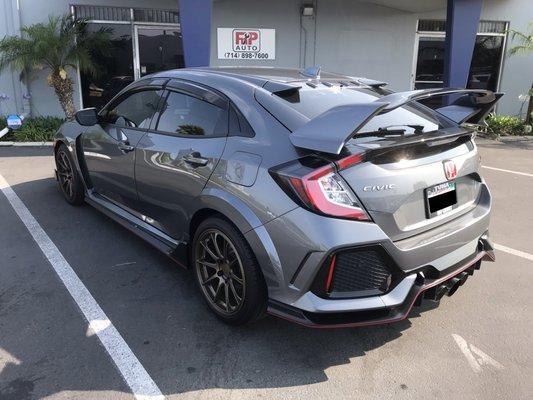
195 158
125 148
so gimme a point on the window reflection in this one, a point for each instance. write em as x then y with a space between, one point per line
484 68
486 61
187 115
136 110
160 49
115 70
430 62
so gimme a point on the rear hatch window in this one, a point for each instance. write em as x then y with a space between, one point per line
312 102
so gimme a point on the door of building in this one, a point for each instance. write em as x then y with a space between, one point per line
157 48
487 58
143 40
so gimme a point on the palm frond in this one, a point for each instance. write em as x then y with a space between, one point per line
59 42
519 50
524 41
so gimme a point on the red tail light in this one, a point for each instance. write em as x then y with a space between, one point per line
316 185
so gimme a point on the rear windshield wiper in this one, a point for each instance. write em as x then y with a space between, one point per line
392 130
417 128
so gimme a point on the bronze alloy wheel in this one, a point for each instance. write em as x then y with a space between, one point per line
70 182
220 271
65 173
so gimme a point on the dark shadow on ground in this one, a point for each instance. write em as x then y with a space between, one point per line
157 308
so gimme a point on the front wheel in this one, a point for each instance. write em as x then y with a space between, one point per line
68 177
227 273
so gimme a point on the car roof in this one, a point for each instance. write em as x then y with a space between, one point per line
259 75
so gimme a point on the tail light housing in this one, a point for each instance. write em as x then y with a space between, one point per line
315 184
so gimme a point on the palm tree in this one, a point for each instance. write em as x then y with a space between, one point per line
59 44
525 41
524 46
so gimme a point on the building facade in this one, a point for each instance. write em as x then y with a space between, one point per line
402 42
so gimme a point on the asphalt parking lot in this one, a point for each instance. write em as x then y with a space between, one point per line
475 345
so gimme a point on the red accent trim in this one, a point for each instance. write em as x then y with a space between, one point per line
349 161
401 317
329 280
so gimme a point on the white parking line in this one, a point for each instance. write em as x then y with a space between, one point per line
508 170
514 252
136 377
470 352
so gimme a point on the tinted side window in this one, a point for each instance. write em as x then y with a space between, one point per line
136 110
238 126
186 115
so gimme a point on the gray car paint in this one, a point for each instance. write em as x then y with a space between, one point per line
110 169
290 242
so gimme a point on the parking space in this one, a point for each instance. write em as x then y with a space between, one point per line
475 345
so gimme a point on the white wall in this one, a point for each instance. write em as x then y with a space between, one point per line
282 15
9 80
366 40
358 38
352 37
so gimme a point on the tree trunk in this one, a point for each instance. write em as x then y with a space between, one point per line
64 91
529 115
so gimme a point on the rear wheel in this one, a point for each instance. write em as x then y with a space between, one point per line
227 273
69 180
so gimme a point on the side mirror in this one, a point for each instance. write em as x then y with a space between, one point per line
87 117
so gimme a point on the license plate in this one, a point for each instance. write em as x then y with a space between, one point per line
440 199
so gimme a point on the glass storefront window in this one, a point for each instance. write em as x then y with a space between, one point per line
484 68
430 60
144 41
486 61
115 70
160 49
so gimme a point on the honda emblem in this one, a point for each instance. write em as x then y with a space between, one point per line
450 169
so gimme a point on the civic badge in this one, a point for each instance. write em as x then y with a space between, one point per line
450 169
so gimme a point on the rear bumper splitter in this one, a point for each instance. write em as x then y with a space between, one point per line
423 288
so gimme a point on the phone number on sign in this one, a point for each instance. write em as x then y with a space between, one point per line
246 55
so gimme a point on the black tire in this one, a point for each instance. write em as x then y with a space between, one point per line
254 290
70 183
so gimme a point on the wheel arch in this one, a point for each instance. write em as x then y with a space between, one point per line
74 145
216 201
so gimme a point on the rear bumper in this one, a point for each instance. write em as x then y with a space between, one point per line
392 307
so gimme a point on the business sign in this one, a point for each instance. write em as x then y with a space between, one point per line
246 44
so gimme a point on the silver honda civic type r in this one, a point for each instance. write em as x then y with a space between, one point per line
320 198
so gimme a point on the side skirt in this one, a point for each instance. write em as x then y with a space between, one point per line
176 250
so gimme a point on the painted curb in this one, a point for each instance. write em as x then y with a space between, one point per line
26 144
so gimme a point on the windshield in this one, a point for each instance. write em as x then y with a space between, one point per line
312 102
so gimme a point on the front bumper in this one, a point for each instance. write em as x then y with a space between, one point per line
391 307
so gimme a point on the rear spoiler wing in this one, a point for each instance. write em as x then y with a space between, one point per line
330 131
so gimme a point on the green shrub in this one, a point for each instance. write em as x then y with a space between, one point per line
504 125
37 129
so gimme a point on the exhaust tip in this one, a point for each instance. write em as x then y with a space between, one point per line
459 280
